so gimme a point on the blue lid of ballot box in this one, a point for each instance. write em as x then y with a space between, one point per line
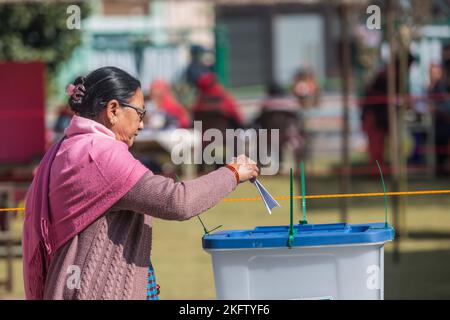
305 235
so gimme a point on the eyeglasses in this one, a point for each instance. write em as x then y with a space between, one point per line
141 112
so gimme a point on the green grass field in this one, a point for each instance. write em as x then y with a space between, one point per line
184 269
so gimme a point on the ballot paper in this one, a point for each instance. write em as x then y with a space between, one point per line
269 201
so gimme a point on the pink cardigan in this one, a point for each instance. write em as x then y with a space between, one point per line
78 181
113 253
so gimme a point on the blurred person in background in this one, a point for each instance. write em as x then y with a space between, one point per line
162 97
440 107
198 65
306 88
216 109
278 112
212 96
89 208
164 113
201 62
374 113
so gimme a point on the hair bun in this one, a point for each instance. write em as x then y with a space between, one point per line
76 92
88 94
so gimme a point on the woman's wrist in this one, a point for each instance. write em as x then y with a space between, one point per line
234 170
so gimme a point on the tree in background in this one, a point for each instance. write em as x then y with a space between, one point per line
38 31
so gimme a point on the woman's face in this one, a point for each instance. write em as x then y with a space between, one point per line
126 121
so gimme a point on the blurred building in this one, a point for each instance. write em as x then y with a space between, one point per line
273 41
149 39
255 41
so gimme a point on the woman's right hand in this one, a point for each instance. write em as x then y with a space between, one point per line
246 168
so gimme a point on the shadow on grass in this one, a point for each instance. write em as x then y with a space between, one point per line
417 275
429 235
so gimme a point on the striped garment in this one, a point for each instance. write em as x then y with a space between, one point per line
152 287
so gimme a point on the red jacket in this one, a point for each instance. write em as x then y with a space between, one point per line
165 100
213 96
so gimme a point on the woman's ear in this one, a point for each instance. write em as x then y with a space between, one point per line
112 111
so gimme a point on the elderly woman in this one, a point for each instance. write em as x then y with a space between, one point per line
87 231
